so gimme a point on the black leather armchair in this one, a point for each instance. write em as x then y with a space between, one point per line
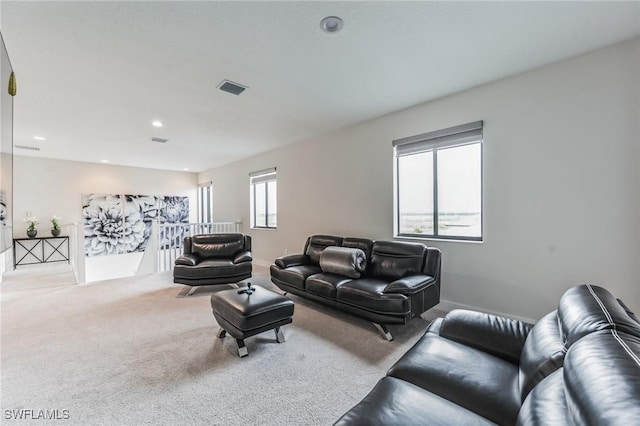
214 259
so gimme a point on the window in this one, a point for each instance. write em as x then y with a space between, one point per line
205 202
438 184
263 199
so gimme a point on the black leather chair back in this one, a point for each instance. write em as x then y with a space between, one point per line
219 245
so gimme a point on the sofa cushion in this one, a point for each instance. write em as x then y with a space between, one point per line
325 285
317 243
542 354
368 293
346 261
396 402
217 245
546 404
493 334
213 268
602 379
587 308
471 378
629 312
392 260
293 276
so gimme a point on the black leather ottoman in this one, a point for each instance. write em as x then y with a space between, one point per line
249 311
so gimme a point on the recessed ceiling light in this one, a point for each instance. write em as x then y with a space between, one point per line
331 24
157 123
40 138
104 161
185 169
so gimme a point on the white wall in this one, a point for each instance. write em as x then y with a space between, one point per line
46 187
561 184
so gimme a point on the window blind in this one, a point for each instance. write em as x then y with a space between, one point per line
452 136
263 175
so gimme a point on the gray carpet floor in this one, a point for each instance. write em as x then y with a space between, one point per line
136 351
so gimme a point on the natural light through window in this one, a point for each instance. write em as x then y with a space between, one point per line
439 184
263 199
205 203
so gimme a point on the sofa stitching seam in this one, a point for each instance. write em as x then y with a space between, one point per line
602 307
625 347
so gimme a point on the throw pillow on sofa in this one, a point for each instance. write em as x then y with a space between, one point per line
349 262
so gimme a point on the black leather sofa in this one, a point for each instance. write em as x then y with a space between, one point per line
578 365
214 259
385 282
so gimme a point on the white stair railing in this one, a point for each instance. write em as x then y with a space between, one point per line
166 242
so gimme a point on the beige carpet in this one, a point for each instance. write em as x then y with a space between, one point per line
136 351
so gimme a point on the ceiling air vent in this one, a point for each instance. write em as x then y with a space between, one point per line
32 148
159 140
231 87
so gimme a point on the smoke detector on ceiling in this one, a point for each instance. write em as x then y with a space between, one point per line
331 24
231 87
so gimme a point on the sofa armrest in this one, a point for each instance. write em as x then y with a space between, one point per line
292 260
496 335
243 256
188 260
409 285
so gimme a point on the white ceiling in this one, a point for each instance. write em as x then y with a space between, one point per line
93 75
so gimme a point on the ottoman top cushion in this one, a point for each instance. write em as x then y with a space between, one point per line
258 309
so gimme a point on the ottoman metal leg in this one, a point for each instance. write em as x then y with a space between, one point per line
279 335
222 333
242 349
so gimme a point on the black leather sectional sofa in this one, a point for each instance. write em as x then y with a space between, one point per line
578 365
385 282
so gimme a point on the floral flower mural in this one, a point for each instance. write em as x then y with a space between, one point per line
3 209
173 210
140 212
103 224
117 224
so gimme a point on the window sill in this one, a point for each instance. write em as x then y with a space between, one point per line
263 228
440 240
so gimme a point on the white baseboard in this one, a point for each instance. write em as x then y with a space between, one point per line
448 306
444 305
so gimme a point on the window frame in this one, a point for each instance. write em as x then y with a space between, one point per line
458 136
262 176
201 206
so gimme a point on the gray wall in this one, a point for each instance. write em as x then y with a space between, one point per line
561 198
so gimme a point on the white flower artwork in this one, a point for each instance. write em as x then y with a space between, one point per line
3 209
117 224
174 210
103 224
140 212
